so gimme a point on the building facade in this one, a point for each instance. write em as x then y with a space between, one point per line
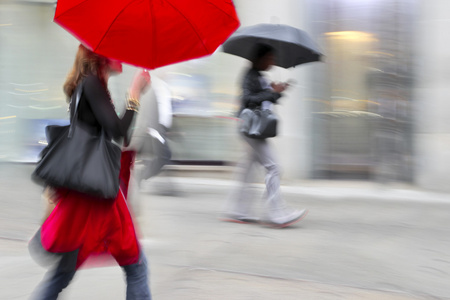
374 108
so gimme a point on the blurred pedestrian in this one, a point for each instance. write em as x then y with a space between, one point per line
258 92
82 225
155 124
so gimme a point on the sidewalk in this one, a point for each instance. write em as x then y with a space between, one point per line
359 241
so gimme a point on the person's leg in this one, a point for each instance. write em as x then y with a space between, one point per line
123 245
277 211
137 280
266 157
57 279
239 203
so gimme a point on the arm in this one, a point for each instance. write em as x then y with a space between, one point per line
103 110
253 94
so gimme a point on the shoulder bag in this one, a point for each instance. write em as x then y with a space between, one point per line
79 159
258 123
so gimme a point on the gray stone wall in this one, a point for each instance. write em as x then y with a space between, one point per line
432 100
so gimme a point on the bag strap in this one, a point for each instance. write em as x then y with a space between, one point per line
78 92
74 119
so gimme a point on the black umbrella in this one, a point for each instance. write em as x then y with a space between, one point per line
293 46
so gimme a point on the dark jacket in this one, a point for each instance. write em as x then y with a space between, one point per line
96 110
253 93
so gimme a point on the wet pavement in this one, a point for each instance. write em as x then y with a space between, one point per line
359 241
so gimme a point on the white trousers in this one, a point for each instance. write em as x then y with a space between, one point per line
240 203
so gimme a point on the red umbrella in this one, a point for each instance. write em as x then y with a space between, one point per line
149 33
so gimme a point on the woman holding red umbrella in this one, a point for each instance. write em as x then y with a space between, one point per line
81 225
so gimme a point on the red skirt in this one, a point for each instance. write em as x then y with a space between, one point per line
93 226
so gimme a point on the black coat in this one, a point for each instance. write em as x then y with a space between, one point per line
96 110
253 93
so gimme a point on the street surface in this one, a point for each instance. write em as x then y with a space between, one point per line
359 241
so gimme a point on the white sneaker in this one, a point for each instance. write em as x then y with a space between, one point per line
287 219
239 218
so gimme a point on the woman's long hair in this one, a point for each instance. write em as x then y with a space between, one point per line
86 62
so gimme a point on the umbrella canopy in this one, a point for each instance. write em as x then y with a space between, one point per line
293 46
149 33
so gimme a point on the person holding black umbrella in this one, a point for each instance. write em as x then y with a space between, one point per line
258 93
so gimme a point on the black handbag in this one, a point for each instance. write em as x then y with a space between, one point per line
79 158
258 123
